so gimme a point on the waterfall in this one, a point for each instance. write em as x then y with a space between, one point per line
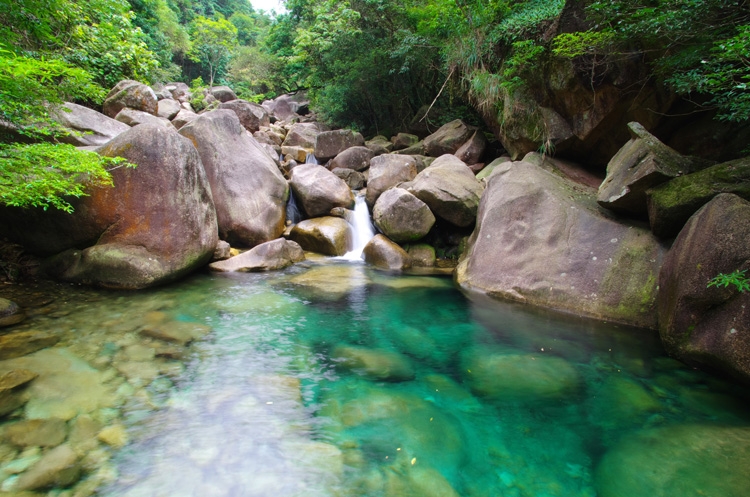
361 228
311 159
293 213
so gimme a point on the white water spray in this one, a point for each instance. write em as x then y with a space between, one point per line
311 159
362 230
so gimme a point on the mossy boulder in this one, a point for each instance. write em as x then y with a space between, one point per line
670 205
131 94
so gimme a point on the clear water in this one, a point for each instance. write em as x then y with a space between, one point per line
362 229
455 396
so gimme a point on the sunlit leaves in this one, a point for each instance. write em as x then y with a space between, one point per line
214 41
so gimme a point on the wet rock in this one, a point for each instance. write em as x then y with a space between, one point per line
421 255
450 189
670 205
179 332
353 179
114 436
684 460
12 385
10 313
401 216
708 326
384 253
519 377
331 282
355 158
251 115
89 127
59 467
374 364
324 235
418 480
132 94
448 139
168 108
223 93
25 342
387 171
248 190
619 401
133 117
318 190
276 254
328 144
37 433
83 433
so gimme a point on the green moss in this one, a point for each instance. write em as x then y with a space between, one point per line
729 177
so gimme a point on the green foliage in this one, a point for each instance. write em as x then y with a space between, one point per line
736 279
44 174
214 41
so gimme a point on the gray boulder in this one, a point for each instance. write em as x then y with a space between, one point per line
401 216
133 117
183 117
318 190
89 127
471 151
302 135
10 313
276 254
252 116
223 93
543 240
168 108
404 140
448 138
708 326
248 189
642 163
387 171
132 94
324 235
385 254
450 189
287 107
329 144
353 179
180 91
356 158
670 205
379 145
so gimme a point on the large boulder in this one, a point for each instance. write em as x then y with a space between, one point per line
132 94
708 326
88 127
353 179
543 240
252 116
379 145
387 171
670 205
183 117
324 235
248 189
168 108
642 163
179 91
302 135
276 254
318 190
384 253
356 158
471 151
329 144
401 216
10 313
287 107
448 139
404 140
133 117
223 93
450 189
157 224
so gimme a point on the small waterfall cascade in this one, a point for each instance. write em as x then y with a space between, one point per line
293 214
362 229
311 159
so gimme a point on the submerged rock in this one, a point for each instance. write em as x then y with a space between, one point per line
179 332
59 467
276 254
25 342
10 313
37 433
374 364
12 385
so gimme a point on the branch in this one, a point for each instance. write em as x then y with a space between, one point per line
438 95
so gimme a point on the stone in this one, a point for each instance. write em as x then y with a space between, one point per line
565 169
328 144
168 108
157 224
223 93
471 151
689 460
133 117
287 107
485 173
356 158
708 326
519 377
450 190
248 190
401 216
114 436
379 145
88 127
421 255
59 467
331 282
317 190
83 432
132 94
378 365
543 240
37 433
252 116
179 332
385 254
223 251
448 138
180 91
642 163
276 254
387 171
10 313
324 235
404 140
353 179
671 204
12 388
302 135
297 154
25 342
183 117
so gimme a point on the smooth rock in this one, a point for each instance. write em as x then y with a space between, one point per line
324 235
89 127
133 117
10 313
404 140
276 254
132 94
223 93
328 144
25 342
180 332
379 145
375 364
386 254
302 135
421 255
12 386
37 433
353 179
59 467
168 108
471 151
356 158
387 171
223 251
318 190
401 216
251 115
448 138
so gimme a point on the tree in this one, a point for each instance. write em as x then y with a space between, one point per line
214 41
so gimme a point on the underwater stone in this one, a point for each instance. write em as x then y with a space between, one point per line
374 364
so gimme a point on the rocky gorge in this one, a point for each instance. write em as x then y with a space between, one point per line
635 247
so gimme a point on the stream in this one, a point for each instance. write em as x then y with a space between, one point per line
331 378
